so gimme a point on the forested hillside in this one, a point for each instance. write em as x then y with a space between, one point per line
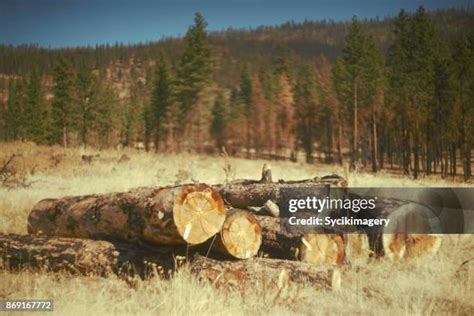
396 92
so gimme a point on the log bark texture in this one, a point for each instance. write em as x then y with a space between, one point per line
81 256
276 242
163 216
269 272
243 194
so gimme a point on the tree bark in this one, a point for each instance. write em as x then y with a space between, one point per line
277 242
269 272
163 216
81 256
356 136
249 193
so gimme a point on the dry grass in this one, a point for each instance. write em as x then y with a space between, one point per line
421 287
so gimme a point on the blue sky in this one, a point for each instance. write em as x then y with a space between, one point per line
56 23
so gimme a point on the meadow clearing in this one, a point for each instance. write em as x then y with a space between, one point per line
425 286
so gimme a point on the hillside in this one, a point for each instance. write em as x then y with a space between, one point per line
275 91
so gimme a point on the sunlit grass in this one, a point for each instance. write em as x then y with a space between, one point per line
428 286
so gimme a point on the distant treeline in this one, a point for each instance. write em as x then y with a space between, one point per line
397 92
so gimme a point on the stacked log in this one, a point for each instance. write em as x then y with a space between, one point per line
189 214
117 232
80 256
323 248
272 272
241 235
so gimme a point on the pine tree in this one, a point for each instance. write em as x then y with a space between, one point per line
63 111
161 101
33 108
195 71
258 115
357 76
348 75
108 117
398 85
14 114
331 114
219 120
245 99
420 78
285 109
83 99
306 112
463 87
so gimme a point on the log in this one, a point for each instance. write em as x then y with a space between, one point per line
326 249
269 272
81 256
241 235
163 216
245 194
323 248
277 242
404 237
410 246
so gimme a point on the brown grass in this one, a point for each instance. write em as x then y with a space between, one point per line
428 286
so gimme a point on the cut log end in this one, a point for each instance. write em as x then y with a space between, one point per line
357 248
198 213
325 249
409 246
241 234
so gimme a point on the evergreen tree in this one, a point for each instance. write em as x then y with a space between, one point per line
306 105
219 120
285 108
357 76
195 70
245 98
84 94
14 114
132 119
463 88
63 111
160 102
398 85
108 118
420 79
33 108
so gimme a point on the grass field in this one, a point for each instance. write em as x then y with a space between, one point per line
426 286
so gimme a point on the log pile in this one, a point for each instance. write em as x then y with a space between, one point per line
236 226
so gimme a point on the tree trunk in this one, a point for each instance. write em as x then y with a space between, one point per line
164 216
269 272
374 140
356 138
83 256
339 144
64 134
